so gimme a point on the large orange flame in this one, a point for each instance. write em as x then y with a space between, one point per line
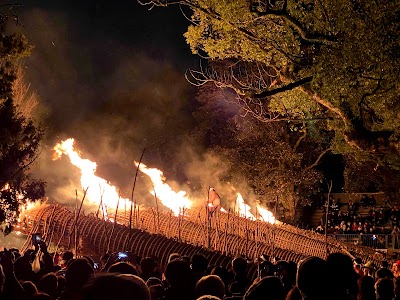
176 201
266 215
99 190
242 208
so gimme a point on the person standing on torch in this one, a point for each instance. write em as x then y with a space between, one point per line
213 202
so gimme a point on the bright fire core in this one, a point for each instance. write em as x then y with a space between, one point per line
99 191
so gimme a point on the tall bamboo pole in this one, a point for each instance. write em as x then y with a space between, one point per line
273 229
326 219
246 230
217 225
101 201
226 232
208 220
158 213
179 224
132 203
257 231
133 189
115 222
237 219
79 211
76 227
124 212
169 223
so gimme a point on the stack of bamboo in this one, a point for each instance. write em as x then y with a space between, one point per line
159 234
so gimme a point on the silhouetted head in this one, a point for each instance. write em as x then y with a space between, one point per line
48 284
199 263
123 267
210 285
239 265
173 256
178 274
29 288
23 269
384 288
267 288
312 276
78 274
113 286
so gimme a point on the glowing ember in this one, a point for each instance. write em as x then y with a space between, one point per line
97 188
266 215
24 204
242 208
176 201
27 206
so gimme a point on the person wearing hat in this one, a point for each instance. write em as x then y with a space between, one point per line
369 269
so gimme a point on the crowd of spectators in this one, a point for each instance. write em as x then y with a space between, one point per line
36 274
382 219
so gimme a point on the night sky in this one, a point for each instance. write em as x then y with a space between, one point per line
111 75
86 50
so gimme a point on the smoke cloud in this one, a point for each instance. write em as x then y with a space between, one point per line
111 76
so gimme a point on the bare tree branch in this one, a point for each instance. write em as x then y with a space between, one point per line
287 87
282 13
316 162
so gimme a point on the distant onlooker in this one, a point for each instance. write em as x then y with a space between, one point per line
153 281
48 284
364 201
199 264
312 277
113 286
294 294
148 268
208 297
341 276
384 271
366 288
60 284
223 274
157 291
210 285
267 288
76 276
123 267
180 279
384 289
173 256
240 281
369 269
41 296
23 270
29 288
66 257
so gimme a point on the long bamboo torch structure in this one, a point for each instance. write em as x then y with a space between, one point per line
291 243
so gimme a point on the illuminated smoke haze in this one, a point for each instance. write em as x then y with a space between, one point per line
111 75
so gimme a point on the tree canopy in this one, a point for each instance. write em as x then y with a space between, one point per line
19 137
275 161
332 61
